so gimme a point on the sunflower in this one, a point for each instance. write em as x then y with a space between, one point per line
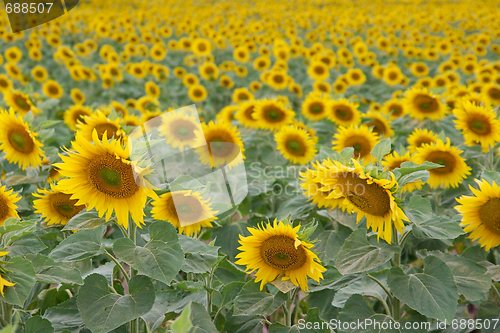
147 103
5 83
152 89
420 137
99 175
20 102
481 214
379 123
272 114
366 196
454 169
220 144
275 251
8 206
55 207
277 79
421 104
295 144
185 210
197 93
179 130
491 93
343 112
392 75
39 73
101 124
394 107
355 77
312 187
318 71
227 114
419 69
77 96
18 142
209 71
393 161
314 107
479 125
76 114
245 114
52 89
241 94
3 282
361 138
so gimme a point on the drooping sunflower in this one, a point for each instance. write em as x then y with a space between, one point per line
275 251
479 124
18 142
8 206
220 144
56 207
99 175
20 102
366 196
454 169
295 144
481 214
310 182
179 129
52 89
314 107
188 211
361 138
343 112
421 104
420 137
101 124
272 114
76 114
379 123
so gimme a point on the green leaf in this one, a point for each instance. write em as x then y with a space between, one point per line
429 225
409 167
471 278
38 324
60 274
359 255
65 316
433 293
85 220
158 260
103 310
362 285
199 256
26 245
252 302
194 319
21 272
82 245
382 148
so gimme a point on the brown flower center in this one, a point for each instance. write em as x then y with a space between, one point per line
280 253
489 213
66 207
112 176
444 158
21 140
426 103
361 145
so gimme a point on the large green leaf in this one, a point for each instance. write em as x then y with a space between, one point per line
38 324
21 272
103 310
471 278
252 302
427 224
65 316
433 293
82 245
200 257
85 220
359 255
194 319
159 259
382 148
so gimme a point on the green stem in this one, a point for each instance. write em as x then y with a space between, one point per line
117 263
396 262
288 307
132 235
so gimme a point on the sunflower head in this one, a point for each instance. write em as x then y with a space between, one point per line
185 210
295 144
179 130
361 138
8 206
421 104
481 214
277 252
343 112
272 114
420 137
56 207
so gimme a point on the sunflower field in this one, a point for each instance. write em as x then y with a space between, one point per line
266 166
